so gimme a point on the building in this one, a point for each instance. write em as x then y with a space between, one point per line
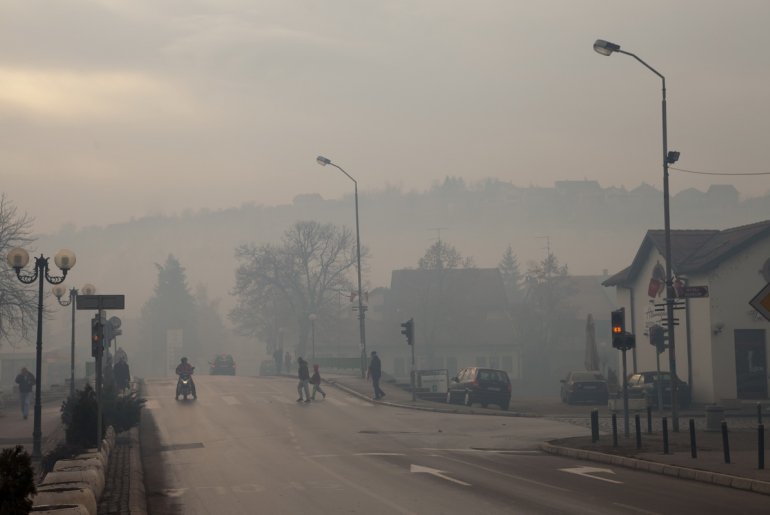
721 341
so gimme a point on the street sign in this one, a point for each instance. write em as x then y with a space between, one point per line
101 301
695 292
761 302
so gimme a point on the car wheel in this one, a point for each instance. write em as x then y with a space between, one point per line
449 397
468 399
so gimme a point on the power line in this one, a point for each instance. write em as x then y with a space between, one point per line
717 173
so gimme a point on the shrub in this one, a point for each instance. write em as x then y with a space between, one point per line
60 452
79 414
17 482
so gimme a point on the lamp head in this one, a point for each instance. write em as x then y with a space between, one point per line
323 161
64 259
18 258
605 47
672 157
59 290
88 289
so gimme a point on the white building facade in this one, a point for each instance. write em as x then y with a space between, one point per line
721 342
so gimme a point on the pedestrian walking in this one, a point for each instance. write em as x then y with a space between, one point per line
315 380
26 381
304 377
375 372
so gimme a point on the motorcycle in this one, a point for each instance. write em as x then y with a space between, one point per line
184 387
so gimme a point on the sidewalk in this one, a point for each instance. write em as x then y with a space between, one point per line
14 430
709 466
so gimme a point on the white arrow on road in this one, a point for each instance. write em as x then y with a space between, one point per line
589 471
418 469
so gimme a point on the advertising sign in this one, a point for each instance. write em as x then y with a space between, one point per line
436 381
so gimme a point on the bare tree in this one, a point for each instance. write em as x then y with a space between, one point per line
18 306
279 286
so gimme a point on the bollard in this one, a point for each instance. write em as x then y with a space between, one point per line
638 427
759 413
725 442
664 420
614 430
693 446
761 446
649 420
594 425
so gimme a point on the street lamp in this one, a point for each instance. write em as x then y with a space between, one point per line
312 317
18 259
323 161
59 290
606 48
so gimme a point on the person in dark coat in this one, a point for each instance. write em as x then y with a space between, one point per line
375 372
315 380
122 374
304 378
26 381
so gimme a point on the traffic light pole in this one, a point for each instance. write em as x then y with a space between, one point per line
98 365
626 430
414 377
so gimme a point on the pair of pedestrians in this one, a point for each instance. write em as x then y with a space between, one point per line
305 380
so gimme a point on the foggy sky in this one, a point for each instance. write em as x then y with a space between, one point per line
117 109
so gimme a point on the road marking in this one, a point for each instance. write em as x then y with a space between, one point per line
588 471
230 400
418 469
485 451
512 476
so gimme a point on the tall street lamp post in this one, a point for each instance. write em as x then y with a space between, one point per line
18 259
312 317
59 290
361 315
606 48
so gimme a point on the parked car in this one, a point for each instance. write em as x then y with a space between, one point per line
584 386
644 384
480 385
223 365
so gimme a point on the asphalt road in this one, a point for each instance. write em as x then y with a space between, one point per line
246 446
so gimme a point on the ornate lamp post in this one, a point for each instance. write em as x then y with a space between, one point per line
606 48
312 317
59 290
18 259
323 161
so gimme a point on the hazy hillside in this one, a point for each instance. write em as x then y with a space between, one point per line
588 227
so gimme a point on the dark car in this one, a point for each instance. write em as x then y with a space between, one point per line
584 386
480 385
223 365
644 384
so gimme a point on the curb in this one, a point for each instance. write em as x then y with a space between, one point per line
137 501
360 395
703 476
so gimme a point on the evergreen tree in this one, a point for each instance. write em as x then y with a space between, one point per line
509 270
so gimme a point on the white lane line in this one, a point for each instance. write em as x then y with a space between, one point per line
230 400
365 490
512 476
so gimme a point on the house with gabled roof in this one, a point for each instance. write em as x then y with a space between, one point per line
720 340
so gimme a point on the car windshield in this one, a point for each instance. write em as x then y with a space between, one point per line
492 375
587 376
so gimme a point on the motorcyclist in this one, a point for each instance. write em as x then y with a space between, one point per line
185 368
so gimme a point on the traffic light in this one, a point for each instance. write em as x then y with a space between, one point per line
618 321
658 338
97 336
407 329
